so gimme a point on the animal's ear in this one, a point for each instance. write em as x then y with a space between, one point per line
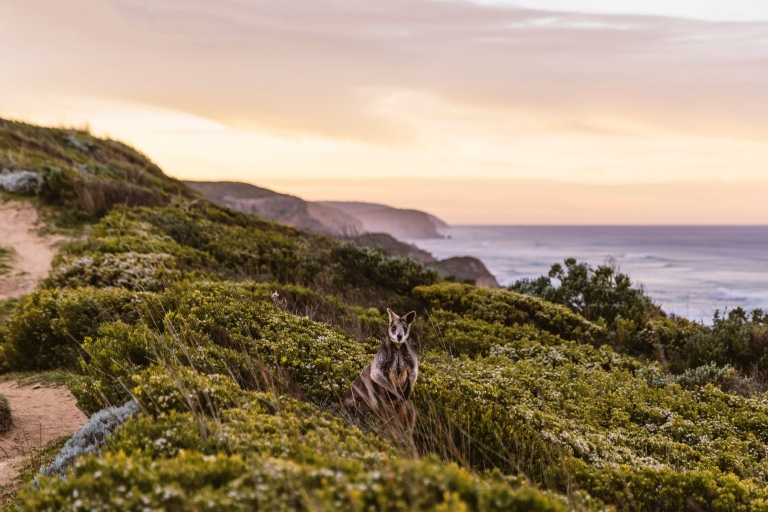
392 315
410 317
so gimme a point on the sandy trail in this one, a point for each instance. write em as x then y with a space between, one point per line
40 414
33 253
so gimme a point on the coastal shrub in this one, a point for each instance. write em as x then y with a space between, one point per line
508 308
361 265
261 451
121 352
637 326
737 339
144 272
241 246
238 247
669 337
50 325
91 437
6 417
47 326
594 293
237 338
564 415
360 322
98 196
82 177
120 232
458 335
602 295
703 375
220 328
193 481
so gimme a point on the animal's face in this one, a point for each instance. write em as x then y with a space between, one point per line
399 326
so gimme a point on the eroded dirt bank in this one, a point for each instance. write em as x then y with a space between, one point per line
33 253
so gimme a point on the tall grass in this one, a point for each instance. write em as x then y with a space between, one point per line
6 255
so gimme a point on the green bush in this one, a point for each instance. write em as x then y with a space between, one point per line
508 308
223 329
458 335
567 415
48 325
233 246
144 272
193 481
637 326
736 339
601 293
666 489
238 337
669 337
206 445
701 376
363 265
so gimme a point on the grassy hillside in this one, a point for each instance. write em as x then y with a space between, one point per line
237 338
82 177
5 256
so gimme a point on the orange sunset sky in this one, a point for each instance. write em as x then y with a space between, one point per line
493 112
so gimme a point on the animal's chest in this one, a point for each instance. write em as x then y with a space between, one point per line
399 371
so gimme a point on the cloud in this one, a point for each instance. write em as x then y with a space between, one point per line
327 68
540 109
485 201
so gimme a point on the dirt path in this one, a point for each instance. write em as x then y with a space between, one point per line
40 414
32 253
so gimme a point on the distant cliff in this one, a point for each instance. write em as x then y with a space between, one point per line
378 218
367 224
466 269
334 218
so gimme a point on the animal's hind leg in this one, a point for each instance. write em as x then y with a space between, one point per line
406 422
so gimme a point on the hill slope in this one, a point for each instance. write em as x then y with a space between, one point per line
367 224
79 176
237 337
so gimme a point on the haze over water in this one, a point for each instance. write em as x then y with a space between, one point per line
689 270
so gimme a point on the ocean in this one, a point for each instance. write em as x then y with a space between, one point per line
690 271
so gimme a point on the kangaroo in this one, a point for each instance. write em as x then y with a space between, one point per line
384 387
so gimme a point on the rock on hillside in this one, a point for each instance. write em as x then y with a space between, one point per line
466 268
379 218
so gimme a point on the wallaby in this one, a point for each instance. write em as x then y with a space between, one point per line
384 387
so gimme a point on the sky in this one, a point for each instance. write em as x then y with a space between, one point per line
481 112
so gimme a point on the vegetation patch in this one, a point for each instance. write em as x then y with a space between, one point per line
6 419
236 338
5 257
256 450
